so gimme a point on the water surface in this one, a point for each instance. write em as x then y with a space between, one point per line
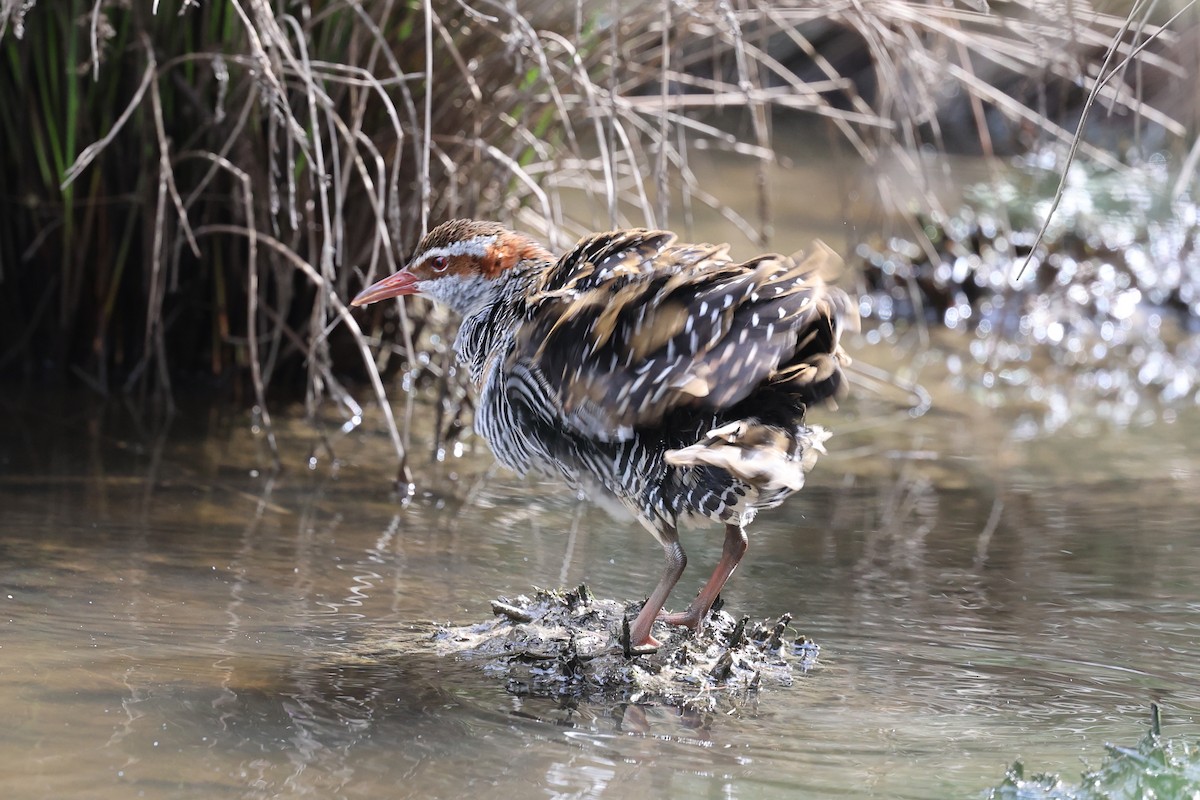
179 624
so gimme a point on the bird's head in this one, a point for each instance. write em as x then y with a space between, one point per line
458 263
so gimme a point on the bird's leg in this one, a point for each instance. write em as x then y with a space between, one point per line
735 548
639 630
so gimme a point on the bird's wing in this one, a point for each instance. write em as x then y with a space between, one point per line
630 326
603 259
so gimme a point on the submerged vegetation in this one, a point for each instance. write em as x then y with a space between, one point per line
190 190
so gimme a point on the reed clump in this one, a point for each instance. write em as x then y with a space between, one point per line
191 190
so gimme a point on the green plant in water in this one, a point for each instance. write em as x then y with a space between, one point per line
1154 768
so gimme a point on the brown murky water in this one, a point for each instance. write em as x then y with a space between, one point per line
177 625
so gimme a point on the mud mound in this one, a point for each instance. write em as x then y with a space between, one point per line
569 643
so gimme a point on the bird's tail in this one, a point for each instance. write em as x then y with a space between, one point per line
768 457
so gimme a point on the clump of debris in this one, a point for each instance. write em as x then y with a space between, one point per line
572 644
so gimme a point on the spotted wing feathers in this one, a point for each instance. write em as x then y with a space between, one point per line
630 326
603 259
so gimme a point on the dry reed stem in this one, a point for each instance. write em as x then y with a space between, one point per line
339 308
1076 143
515 112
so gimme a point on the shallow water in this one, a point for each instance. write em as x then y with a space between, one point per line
178 624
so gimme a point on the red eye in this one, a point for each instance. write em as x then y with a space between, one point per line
440 263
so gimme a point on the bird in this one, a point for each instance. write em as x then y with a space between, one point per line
657 377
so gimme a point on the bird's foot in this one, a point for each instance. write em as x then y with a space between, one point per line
636 642
651 645
687 619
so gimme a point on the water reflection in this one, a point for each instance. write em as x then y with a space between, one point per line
177 626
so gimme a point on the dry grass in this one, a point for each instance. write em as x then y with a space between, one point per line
248 165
